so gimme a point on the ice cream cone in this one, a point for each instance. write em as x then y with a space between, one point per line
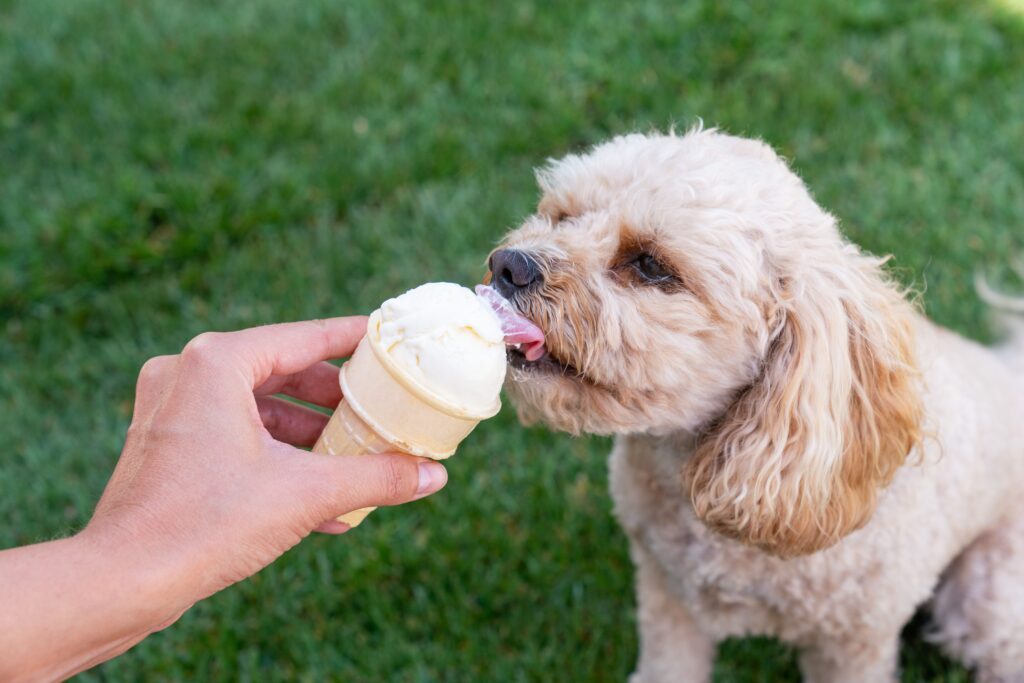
385 410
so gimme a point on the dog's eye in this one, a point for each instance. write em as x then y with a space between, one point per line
651 269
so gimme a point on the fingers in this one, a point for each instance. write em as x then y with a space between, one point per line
289 422
283 349
317 384
333 527
343 483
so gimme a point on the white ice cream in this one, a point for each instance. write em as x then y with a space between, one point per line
448 340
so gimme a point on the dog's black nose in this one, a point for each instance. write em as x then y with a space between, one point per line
514 271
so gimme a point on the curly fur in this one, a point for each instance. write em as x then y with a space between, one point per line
799 452
797 460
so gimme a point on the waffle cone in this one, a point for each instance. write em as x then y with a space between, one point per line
384 410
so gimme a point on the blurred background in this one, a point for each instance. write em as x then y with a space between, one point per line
168 167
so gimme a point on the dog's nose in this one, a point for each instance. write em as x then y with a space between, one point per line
514 271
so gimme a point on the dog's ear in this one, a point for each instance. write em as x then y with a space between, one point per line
798 459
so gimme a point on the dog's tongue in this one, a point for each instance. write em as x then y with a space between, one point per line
517 329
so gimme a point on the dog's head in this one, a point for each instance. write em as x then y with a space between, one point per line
690 283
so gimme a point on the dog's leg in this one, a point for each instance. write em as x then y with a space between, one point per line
979 606
854 660
672 648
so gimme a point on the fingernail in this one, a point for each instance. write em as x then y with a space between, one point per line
432 476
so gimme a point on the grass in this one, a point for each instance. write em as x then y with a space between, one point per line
171 167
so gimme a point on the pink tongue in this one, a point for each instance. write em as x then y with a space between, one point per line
517 329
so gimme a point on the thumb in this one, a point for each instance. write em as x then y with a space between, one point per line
350 482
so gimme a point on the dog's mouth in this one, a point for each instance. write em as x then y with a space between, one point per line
526 348
546 364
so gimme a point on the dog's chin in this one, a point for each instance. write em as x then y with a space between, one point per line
553 392
546 365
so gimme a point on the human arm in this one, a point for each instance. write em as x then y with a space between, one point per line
209 489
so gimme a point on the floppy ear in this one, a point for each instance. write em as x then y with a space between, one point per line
797 461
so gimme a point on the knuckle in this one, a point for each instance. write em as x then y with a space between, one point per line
155 369
396 479
202 348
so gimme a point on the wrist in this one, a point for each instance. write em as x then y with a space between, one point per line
101 597
147 583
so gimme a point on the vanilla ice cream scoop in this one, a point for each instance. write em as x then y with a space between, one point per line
448 341
429 369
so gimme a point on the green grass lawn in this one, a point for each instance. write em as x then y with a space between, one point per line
168 167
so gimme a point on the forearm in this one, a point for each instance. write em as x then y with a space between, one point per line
73 603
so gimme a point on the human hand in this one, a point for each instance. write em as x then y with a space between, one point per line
210 483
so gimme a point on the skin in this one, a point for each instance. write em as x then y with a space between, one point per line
210 488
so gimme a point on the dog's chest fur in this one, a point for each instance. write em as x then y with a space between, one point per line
874 578
732 589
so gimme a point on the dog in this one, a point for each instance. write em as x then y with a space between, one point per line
799 452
